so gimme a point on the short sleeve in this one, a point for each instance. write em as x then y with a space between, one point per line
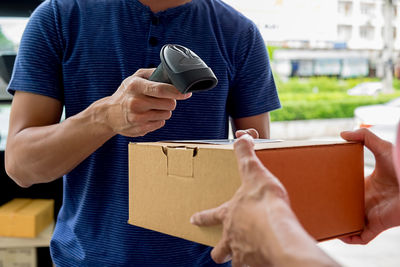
253 90
38 67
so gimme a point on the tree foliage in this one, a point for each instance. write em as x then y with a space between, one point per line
322 98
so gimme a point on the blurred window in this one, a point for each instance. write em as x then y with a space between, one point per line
344 32
367 8
345 8
367 32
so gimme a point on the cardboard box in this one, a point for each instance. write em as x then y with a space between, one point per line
18 257
22 217
168 182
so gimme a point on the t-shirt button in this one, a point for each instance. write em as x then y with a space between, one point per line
153 41
155 21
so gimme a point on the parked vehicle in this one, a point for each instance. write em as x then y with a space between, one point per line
380 119
367 88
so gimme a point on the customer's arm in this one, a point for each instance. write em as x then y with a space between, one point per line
259 228
382 196
40 148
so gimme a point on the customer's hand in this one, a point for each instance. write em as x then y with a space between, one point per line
382 198
140 106
243 230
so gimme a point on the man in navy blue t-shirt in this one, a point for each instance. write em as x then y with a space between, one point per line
80 55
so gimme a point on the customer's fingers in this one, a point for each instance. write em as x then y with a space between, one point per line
370 140
222 252
361 239
248 162
252 132
209 217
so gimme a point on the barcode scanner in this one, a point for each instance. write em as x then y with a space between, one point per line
184 69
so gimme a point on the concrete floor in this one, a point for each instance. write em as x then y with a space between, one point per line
383 251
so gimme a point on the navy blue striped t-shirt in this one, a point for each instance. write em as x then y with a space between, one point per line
79 51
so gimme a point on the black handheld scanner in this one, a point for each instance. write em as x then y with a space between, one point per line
184 69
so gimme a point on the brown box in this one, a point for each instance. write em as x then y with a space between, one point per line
22 217
168 182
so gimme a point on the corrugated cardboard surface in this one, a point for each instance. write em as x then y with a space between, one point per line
168 182
25 217
18 257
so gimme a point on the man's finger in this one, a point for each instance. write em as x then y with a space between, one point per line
139 83
222 252
209 217
144 104
370 140
252 132
163 90
144 73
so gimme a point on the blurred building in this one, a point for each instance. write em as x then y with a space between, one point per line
360 24
343 38
326 24
338 63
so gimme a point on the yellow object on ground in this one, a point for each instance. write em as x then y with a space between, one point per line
22 217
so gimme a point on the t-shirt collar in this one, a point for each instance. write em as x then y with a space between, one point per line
169 12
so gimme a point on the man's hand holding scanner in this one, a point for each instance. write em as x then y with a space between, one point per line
140 106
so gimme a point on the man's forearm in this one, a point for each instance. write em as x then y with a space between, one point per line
39 149
259 122
42 154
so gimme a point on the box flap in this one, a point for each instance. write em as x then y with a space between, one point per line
180 160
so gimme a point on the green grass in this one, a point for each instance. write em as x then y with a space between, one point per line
323 97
